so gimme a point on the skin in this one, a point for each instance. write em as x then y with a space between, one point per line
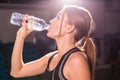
76 67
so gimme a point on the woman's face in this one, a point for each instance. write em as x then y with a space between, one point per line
58 25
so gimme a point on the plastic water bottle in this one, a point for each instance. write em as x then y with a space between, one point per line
39 25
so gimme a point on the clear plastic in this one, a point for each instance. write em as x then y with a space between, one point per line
39 25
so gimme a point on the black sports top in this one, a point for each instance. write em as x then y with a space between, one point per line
57 73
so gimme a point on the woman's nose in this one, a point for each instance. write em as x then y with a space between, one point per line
52 20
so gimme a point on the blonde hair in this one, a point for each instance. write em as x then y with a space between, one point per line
84 24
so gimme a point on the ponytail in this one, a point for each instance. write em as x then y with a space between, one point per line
90 51
87 45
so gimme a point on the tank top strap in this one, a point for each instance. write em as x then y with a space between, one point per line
50 61
63 61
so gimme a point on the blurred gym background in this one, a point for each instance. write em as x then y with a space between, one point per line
106 14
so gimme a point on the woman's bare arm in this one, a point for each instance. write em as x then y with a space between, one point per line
79 68
18 68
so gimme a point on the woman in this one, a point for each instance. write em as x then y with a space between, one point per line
73 60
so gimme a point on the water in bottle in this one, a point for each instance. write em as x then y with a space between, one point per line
39 24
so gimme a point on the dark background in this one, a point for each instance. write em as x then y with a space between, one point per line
106 14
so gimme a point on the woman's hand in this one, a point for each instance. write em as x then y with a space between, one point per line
24 31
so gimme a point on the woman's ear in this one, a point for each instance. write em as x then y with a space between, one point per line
70 28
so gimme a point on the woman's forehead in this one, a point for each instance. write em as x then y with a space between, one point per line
61 12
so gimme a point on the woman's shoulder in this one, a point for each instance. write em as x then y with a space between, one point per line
78 57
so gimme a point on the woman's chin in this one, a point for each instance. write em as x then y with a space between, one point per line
50 36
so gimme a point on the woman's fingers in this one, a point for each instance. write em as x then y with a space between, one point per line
24 30
25 21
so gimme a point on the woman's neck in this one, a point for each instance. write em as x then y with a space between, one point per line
64 44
